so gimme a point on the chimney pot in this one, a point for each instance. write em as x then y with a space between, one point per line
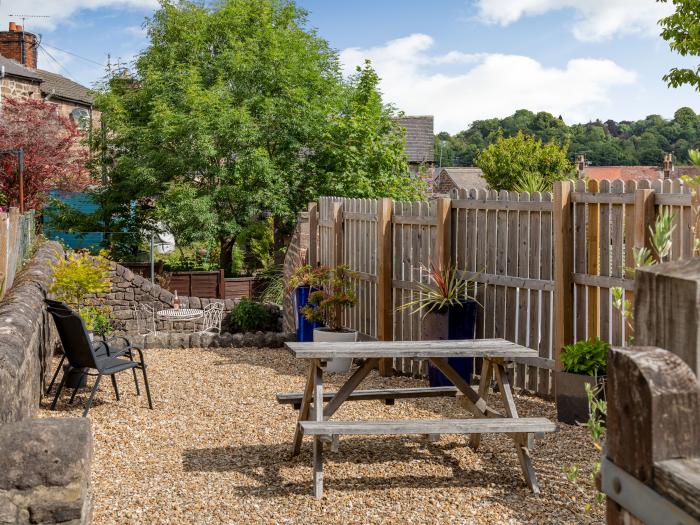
20 28
13 26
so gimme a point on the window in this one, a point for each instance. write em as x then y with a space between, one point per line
81 117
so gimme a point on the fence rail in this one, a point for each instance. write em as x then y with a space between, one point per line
17 234
542 265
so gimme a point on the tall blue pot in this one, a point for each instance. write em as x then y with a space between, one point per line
453 323
305 328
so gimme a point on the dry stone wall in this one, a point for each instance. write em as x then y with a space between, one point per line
27 337
129 290
45 471
44 463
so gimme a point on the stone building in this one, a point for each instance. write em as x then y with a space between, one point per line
21 77
420 144
458 178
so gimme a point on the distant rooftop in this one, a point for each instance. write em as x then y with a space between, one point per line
463 178
50 84
420 145
622 172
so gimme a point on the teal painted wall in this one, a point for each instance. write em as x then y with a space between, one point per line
82 202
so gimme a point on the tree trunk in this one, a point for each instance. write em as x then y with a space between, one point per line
226 256
281 239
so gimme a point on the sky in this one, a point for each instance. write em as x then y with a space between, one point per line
459 60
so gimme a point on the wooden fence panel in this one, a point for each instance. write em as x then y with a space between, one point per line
415 230
505 242
17 234
514 276
360 255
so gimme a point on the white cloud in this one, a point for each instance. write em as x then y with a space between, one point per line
595 19
490 85
61 10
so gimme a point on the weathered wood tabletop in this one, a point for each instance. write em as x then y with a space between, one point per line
314 414
412 349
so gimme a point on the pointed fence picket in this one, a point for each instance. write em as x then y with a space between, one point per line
542 265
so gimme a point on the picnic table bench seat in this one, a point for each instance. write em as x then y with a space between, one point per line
428 426
388 395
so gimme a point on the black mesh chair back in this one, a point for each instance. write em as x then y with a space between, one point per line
74 336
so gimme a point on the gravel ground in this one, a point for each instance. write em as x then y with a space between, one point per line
216 450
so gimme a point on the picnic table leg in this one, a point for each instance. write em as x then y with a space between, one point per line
472 401
484 381
521 441
304 409
318 444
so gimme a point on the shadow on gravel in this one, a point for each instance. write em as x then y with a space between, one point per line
263 464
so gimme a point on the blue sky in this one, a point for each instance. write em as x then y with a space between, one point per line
459 60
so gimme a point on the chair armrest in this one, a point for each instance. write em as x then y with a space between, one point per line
111 352
117 337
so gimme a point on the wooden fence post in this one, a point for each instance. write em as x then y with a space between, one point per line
443 236
337 233
651 397
644 215
563 269
337 240
313 234
222 285
593 262
384 261
4 250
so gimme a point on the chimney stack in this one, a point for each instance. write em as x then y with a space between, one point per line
19 45
580 165
668 165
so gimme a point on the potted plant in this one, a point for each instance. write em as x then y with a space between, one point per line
332 292
449 312
584 363
301 282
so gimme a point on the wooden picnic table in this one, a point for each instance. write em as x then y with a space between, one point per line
313 415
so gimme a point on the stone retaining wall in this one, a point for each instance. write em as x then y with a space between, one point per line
129 289
44 463
27 337
45 471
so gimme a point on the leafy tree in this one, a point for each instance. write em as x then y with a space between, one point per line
604 143
247 110
363 141
508 161
51 158
682 31
186 213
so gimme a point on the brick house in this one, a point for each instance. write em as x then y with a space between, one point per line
666 170
420 144
20 77
458 178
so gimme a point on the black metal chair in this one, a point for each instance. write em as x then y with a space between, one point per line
82 354
99 348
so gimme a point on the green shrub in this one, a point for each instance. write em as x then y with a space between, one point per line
97 319
586 357
78 275
249 316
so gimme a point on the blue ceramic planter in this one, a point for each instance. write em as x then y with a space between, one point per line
305 329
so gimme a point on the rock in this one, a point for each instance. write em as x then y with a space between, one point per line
237 340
